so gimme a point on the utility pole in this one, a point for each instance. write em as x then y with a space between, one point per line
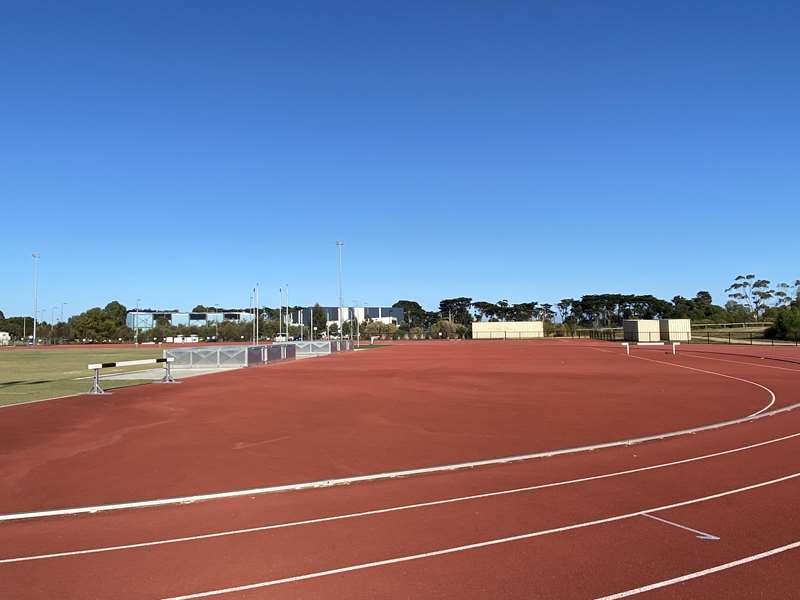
136 323
36 256
61 319
53 323
258 299
280 313
339 245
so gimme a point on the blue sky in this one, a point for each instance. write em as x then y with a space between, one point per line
180 152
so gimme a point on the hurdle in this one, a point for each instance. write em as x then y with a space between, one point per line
97 367
674 346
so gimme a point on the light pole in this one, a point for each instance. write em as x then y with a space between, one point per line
356 303
339 245
216 323
53 323
136 323
287 312
280 313
61 318
257 292
36 256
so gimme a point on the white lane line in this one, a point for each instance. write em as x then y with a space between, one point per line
326 483
702 535
410 472
704 572
483 544
379 511
763 387
739 362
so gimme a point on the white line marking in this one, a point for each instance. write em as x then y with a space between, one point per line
709 571
740 362
326 483
483 544
702 535
379 511
763 387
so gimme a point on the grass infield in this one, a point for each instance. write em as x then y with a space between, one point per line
29 374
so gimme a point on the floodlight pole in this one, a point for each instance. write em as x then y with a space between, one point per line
52 322
216 323
36 256
287 312
339 245
258 299
136 323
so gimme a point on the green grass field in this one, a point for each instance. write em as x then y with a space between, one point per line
27 374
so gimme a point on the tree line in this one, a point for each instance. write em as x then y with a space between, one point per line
750 299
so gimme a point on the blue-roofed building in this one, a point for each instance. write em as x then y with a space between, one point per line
144 320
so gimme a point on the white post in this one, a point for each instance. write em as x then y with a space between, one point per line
258 299
36 257
280 311
339 245
136 322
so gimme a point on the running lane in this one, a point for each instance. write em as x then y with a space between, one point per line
403 406
739 484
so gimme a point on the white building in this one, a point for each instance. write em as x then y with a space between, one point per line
5 338
507 330
381 314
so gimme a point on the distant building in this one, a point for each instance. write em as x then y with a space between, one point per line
362 314
5 338
147 320
144 320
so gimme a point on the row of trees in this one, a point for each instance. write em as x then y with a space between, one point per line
97 324
750 299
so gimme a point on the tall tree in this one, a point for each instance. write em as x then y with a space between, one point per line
522 311
456 309
413 313
762 294
547 313
318 319
565 309
116 312
740 290
485 310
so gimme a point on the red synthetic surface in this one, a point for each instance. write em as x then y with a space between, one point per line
410 406
379 410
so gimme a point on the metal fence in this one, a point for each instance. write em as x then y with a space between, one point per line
728 336
321 347
750 338
221 357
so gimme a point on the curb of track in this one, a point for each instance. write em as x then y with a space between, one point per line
325 483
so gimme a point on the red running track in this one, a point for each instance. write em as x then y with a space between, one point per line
379 410
581 560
